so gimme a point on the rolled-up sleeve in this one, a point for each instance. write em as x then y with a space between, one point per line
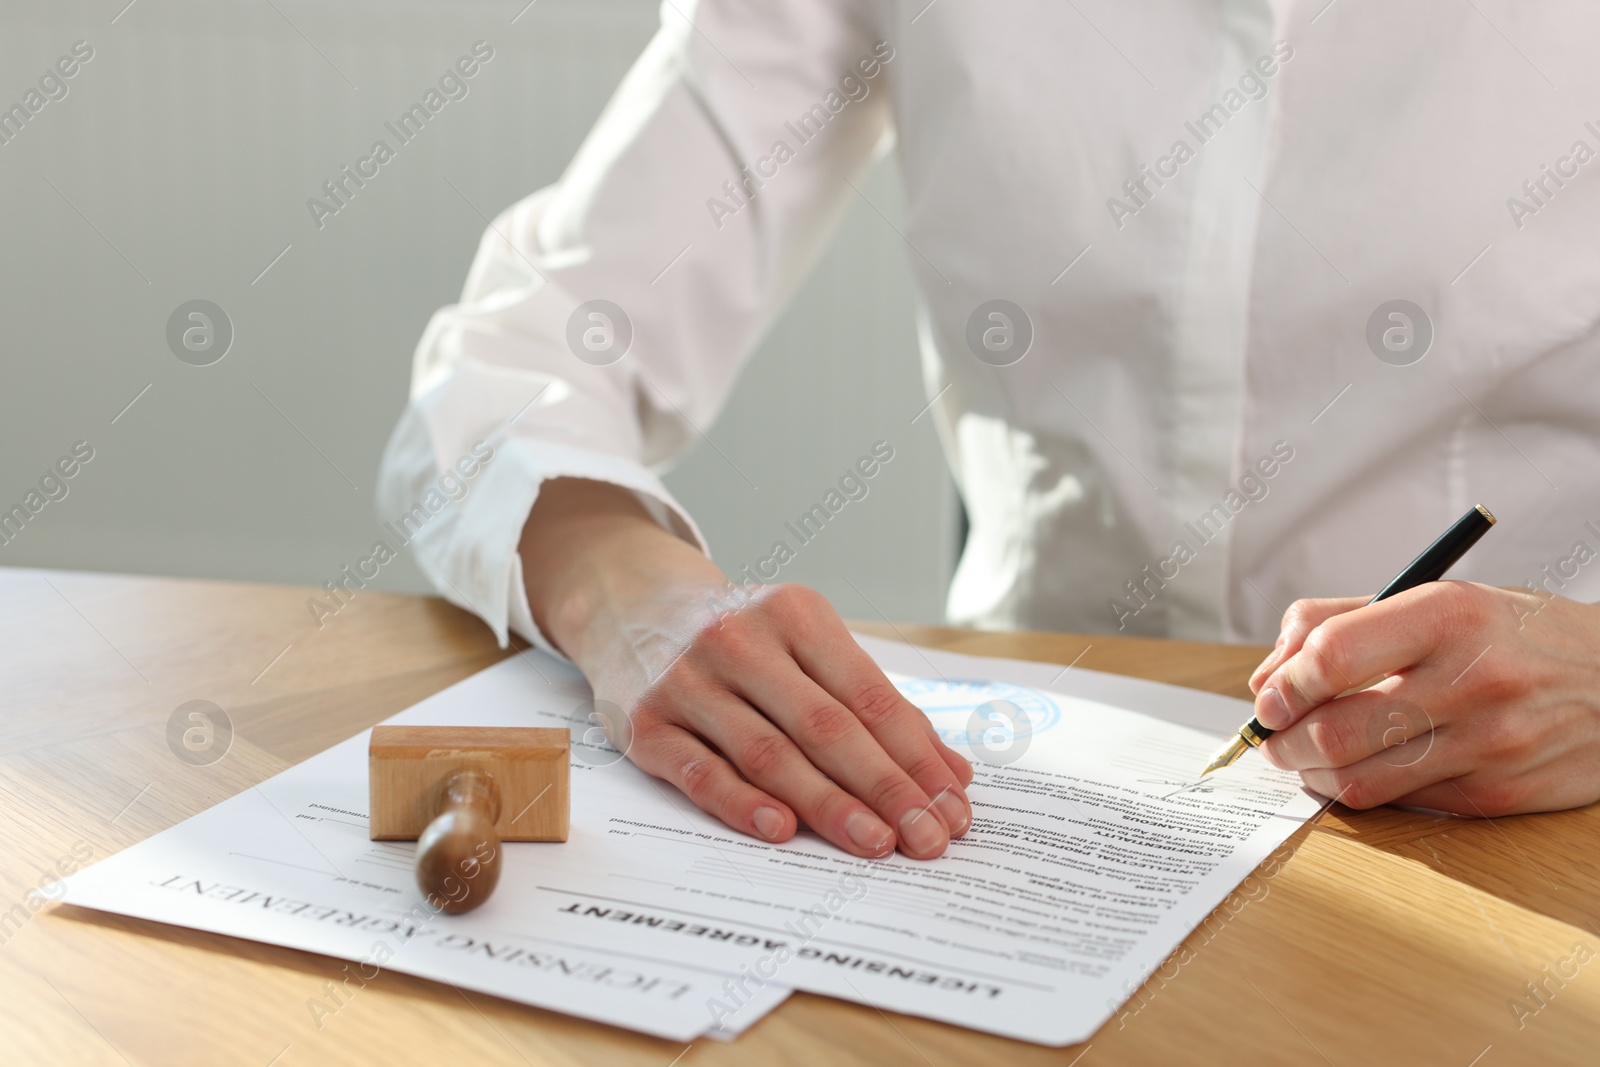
704 192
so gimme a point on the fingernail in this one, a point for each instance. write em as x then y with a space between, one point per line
870 833
1271 711
769 822
954 810
921 833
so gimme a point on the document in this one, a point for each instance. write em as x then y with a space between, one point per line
289 863
1094 851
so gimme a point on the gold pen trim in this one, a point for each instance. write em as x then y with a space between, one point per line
1250 737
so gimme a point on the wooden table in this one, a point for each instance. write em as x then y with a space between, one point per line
1380 937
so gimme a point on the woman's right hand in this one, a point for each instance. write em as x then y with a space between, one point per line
756 701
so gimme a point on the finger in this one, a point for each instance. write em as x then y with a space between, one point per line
676 756
839 744
1268 664
850 677
772 761
1353 647
1477 799
1508 773
1302 617
1350 729
959 765
830 656
1384 779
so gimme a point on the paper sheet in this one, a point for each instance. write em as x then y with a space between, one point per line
1093 853
289 863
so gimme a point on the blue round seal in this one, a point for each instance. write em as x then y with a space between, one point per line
950 705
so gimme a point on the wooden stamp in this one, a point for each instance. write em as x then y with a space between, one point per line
459 791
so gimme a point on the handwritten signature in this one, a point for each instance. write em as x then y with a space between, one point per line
1211 785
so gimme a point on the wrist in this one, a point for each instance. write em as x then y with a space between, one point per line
597 565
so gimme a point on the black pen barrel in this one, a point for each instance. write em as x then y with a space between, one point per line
1440 556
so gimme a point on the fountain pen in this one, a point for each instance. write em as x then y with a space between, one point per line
1428 567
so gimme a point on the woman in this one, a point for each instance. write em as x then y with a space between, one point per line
1223 305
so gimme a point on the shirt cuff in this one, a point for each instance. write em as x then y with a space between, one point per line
463 529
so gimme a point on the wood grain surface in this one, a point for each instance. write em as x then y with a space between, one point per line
1370 938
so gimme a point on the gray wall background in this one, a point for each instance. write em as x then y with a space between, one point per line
178 166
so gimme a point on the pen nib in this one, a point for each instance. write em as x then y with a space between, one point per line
1229 754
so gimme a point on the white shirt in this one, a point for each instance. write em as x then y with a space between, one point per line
1198 313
